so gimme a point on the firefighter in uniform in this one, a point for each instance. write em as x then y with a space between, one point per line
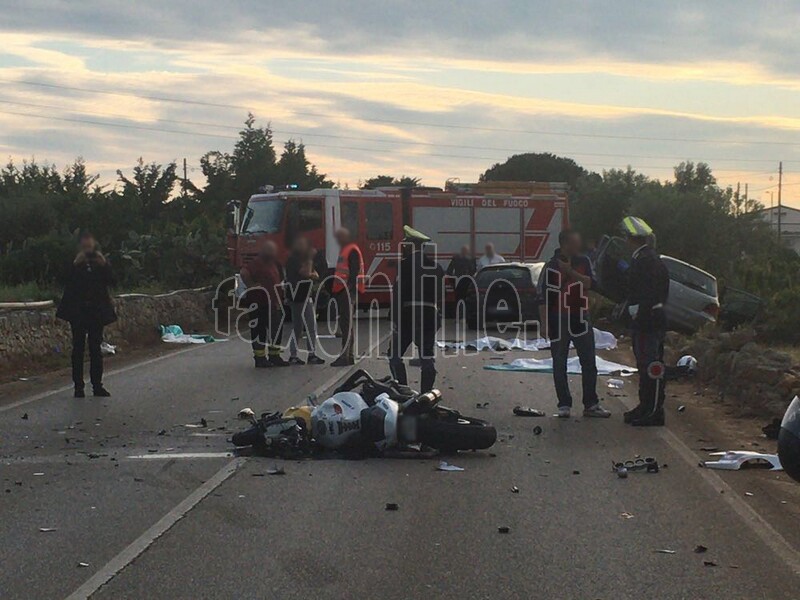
648 288
348 283
415 309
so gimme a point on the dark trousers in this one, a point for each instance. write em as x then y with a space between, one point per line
562 332
648 347
422 332
266 329
81 331
346 304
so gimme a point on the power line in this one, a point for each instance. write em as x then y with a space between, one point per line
284 132
400 122
316 145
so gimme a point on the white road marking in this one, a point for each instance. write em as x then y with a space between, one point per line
144 541
168 455
758 524
129 554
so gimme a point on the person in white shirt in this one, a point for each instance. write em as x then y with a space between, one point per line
490 257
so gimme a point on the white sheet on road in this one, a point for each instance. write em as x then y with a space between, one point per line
603 340
535 365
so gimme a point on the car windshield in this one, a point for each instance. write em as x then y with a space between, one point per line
263 216
691 277
514 275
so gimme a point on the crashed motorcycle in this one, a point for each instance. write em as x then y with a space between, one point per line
368 414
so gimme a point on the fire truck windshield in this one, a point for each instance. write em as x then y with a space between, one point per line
263 216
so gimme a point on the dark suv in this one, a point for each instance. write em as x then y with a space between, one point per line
504 292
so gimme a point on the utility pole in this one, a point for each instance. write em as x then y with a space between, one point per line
780 206
737 204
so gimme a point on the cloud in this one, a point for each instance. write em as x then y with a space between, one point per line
434 89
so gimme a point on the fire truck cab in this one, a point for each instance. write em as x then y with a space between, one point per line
521 219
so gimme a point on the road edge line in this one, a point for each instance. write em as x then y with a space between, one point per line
111 373
758 524
144 541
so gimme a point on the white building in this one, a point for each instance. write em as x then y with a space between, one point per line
790 224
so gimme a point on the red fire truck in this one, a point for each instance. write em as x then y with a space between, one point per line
521 219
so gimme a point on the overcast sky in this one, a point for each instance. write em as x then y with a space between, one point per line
433 89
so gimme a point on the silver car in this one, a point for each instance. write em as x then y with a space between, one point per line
693 298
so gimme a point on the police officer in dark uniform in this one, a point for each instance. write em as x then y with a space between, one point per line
648 288
415 309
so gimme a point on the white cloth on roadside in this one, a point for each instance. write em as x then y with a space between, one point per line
603 340
604 367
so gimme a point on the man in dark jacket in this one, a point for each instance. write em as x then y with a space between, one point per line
415 309
462 267
263 277
86 305
648 289
564 319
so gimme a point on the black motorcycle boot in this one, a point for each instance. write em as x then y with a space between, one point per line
630 415
654 419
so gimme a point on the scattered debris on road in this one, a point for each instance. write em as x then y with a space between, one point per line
664 551
537 430
648 464
47 529
25 416
526 411
700 549
482 405
83 565
276 470
445 466
392 506
709 563
504 529
626 515
682 408
734 460
514 490
615 384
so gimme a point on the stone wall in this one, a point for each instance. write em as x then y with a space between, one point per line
761 378
28 335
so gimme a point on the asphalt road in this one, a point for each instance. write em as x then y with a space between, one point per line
144 503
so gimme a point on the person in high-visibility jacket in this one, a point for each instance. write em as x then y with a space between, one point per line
648 289
348 283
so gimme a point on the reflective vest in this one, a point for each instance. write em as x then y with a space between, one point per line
342 273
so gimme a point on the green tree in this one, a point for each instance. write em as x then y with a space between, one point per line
536 167
151 186
253 159
293 168
390 181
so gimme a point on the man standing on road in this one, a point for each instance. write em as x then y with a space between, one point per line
490 257
648 289
263 277
462 266
348 283
564 318
415 309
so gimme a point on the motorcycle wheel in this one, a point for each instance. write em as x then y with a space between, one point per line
249 437
462 433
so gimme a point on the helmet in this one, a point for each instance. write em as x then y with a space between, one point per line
635 227
688 362
789 440
412 235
